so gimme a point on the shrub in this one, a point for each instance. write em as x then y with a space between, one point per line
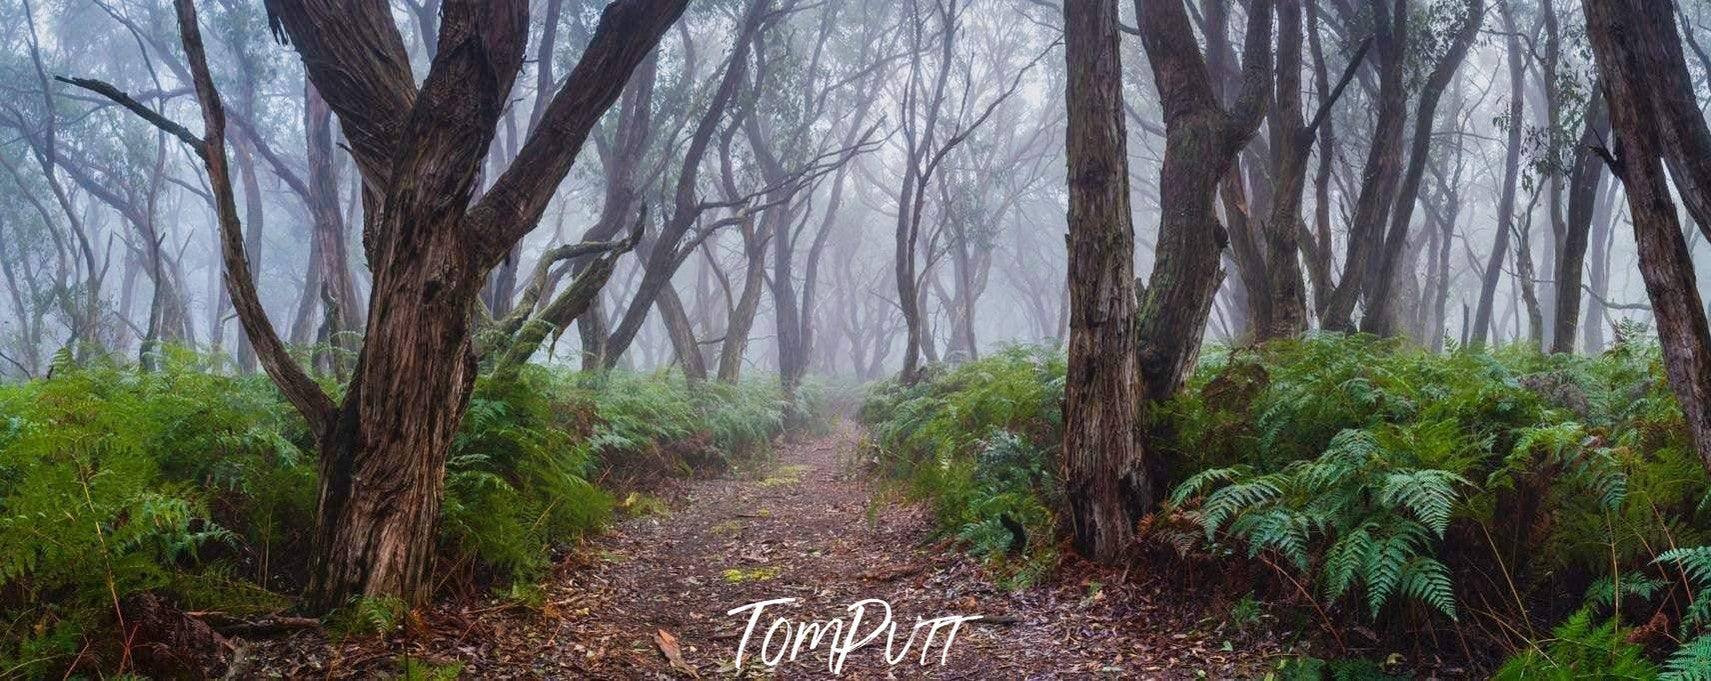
1404 487
979 442
201 488
114 482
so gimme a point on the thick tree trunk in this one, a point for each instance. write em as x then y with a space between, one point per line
1284 313
1202 140
383 454
1102 456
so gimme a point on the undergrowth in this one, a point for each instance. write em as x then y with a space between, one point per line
979 442
1495 496
200 488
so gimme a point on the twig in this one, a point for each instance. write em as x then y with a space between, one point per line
1323 616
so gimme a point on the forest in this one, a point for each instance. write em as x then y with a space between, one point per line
646 339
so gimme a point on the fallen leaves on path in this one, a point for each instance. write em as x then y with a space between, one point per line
674 654
648 600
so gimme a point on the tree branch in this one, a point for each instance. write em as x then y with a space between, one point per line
124 99
1337 92
298 388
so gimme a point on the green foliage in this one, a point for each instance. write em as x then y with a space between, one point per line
1315 669
201 487
416 669
1375 469
1394 482
1376 520
366 616
515 482
1579 648
1692 662
639 413
114 482
978 442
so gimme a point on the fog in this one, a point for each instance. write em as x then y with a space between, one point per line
810 175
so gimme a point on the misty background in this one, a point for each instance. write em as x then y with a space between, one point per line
856 140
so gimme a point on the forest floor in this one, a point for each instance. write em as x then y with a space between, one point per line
809 526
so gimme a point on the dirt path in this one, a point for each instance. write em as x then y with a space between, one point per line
805 530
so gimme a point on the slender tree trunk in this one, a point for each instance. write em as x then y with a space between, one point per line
1598 275
1582 193
741 319
1379 318
1379 179
1511 177
254 222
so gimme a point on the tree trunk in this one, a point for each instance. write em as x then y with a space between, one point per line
1598 275
1379 316
741 319
1628 41
1202 140
1102 456
1582 193
1378 180
253 217
1511 176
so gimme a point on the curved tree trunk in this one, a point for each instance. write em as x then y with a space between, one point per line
1202 140
1632 41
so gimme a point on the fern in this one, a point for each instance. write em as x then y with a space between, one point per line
1692 662
1695 562
1602 593
1373 523
1580 649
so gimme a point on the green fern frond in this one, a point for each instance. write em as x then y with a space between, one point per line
1692 662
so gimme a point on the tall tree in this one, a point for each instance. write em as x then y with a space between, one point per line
1511 177
1583 183
1102 457
1378 317
430 241
1202 139
1283 311
1637 49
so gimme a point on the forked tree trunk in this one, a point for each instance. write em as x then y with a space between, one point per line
741 319
420 151
1380 315
1284 313
1102 457
1382 171
1201 141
